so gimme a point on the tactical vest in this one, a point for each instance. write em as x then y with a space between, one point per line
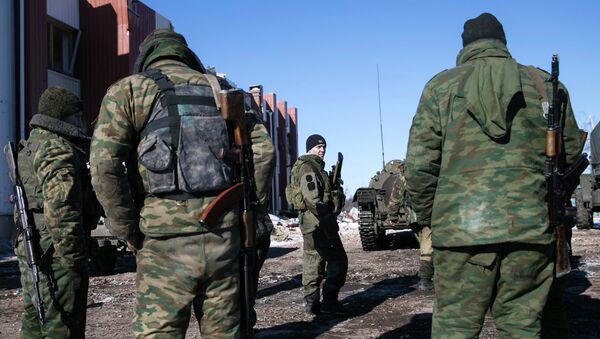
183 141
33 190
293 191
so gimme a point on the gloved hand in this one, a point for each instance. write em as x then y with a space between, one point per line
135 240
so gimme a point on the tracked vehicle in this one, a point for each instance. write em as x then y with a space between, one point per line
372 204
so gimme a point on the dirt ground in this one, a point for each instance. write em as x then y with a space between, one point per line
380 294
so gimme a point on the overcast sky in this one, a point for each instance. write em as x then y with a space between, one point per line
321 56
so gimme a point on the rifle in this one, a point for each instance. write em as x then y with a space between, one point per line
24 226
335 177
232 110
559 180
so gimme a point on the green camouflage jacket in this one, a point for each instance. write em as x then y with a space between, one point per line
53 171
316 194
476 156
121 183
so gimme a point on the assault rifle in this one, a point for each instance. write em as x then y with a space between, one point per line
232 110
560 179
23 225
335 176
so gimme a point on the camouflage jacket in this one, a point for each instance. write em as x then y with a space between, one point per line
316 194
121 183
476 175
53 171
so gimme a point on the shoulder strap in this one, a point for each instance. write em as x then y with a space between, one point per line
215 86
167 99
539 87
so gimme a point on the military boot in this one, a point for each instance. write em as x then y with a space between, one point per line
332 306
312 306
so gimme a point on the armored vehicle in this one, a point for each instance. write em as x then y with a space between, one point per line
587 195
104 249
372 204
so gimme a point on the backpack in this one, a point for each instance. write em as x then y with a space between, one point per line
183 141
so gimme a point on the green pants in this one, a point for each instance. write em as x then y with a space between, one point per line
177 273
324 259
423 235
63 291
513 280
263 242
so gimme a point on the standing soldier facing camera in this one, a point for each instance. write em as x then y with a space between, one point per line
476 172
161 154
313 194
51 165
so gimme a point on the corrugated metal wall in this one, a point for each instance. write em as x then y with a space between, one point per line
283 152
109 46
66 11
36 55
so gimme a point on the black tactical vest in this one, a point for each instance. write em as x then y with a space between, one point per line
183 142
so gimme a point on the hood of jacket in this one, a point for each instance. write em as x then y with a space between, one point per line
165 48
491 84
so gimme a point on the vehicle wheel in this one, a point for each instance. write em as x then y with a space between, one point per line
370 240
103 258
584 216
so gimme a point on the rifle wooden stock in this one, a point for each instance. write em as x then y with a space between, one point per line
233 111
224 201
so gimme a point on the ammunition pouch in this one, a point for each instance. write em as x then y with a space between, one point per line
183 142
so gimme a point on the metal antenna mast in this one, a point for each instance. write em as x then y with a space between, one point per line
380 121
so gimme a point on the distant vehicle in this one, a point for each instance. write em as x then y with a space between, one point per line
105 249
372 204
587 195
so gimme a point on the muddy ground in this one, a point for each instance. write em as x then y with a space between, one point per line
380 293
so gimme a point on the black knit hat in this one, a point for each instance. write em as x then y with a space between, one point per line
485 26
59 103
314 140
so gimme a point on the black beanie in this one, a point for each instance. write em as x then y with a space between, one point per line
485 26
314 140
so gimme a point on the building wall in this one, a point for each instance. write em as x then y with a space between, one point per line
36 55
283 158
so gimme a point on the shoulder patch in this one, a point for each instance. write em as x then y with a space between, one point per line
309 178
311 186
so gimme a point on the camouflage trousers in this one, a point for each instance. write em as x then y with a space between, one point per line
512 280
554 318
423 235
63 291
324 259
175 274
263 242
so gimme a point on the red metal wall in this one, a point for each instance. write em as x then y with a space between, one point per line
110 36
36 56
283 150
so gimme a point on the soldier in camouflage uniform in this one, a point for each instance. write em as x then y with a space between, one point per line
324 254
475 172
155 179
398 204
52 166
263 152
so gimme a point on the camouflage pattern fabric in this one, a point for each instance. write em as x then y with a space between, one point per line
398 202
316 194
263 242
122 188
516 296
469 187
555 324
53 170
324 256
475 172
175 274
324 259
